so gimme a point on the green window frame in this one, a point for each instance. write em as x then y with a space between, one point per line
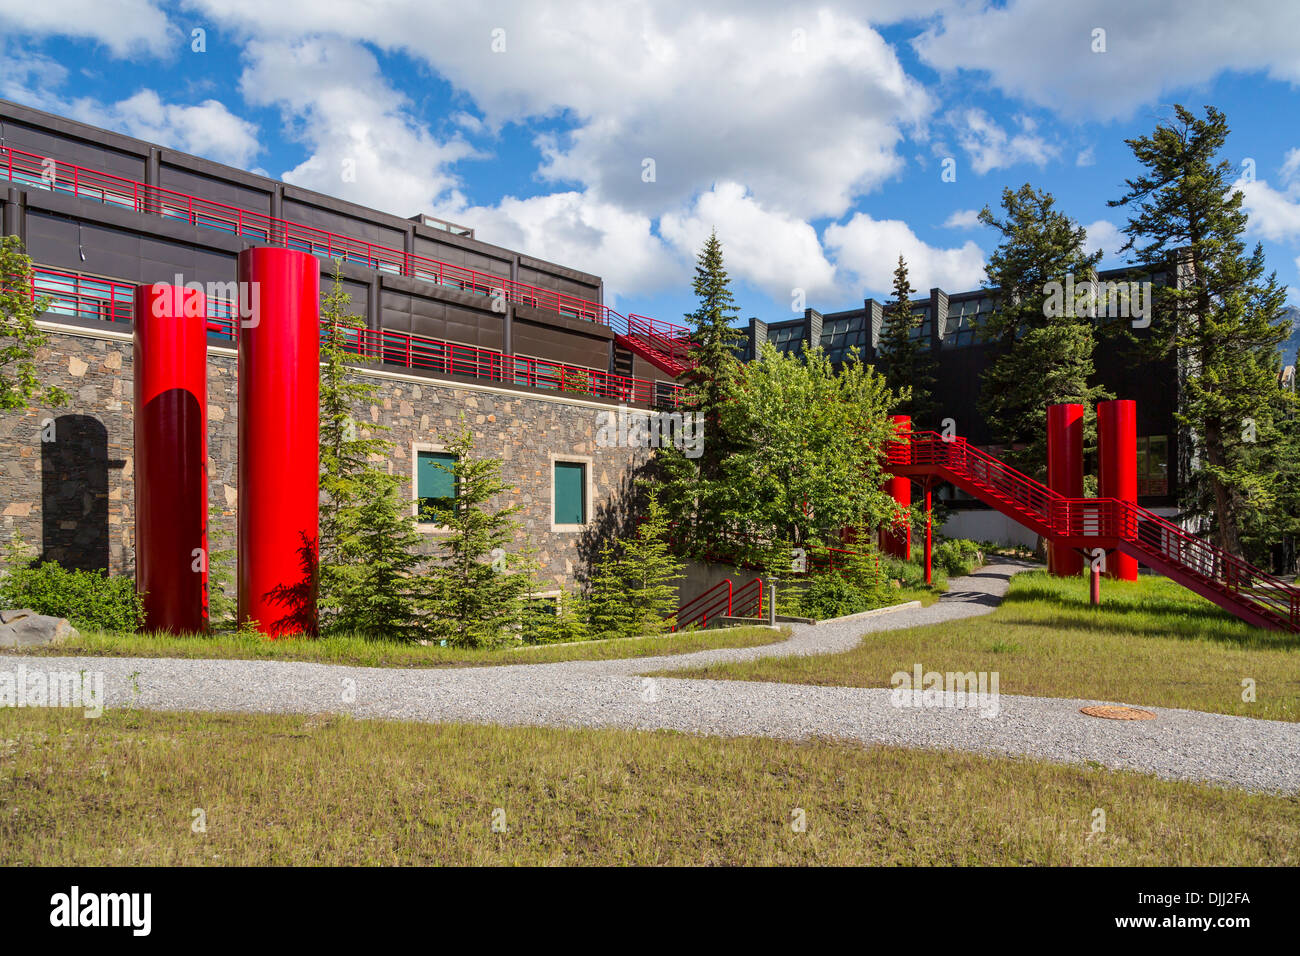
435 485
570 496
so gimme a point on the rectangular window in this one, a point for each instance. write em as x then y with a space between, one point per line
435 485
1153 465
570 493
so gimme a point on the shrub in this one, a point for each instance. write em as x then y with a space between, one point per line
91 600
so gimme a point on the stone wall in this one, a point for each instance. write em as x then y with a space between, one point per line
72 498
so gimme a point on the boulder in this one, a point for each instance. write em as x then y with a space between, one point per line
24 628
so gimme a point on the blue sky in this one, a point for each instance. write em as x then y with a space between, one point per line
812 137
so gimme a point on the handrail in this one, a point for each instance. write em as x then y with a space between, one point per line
109 300
1109 519
747 601
41 172
699 608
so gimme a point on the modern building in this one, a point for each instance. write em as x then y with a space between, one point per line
524 348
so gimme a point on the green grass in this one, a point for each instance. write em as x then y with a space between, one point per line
368 652
1151 642
122 789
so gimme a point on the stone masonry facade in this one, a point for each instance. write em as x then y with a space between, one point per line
72 498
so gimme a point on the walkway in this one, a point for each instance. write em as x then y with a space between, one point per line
1186 745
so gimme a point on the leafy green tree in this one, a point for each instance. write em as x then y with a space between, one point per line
368 541
20 385
809 443
471 595
909 366
1046 341
1222 320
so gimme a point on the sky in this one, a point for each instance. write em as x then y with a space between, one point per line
612 137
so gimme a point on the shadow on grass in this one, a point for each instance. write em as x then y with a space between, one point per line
1142 615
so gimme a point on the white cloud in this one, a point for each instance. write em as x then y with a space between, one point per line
208 129
572 228
1104 235
773 251
124 26
990 147
1290 171
1086 157
963 219
869 249
365 146
1273 214
721 95
1042 50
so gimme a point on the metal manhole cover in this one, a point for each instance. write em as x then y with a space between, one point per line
1111 712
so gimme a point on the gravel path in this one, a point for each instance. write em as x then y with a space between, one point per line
1178 744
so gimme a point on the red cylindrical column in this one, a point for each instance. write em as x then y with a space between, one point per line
1065 475
170 369
1117 469
279 439
896 539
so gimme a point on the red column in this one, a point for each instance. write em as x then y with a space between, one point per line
897 540
1117 469
279 440
170 369
1065 475
929 549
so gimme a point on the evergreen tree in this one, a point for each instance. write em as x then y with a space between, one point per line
1222 319
1046 342
368 541
908 363
20 385
693 491
650 572
471 595
608 614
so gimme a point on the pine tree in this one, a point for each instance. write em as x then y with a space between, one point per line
368 541
650 572
693 491
472 594
1223 320
908 363
1046 344
20 385
606 603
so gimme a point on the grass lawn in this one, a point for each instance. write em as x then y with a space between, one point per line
1151 642
123 789
367 652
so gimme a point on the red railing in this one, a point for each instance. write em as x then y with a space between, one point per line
715 602
40 172
108 300
671 341
1235 584
747 600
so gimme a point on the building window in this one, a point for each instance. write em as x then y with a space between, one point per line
965 318
570 494
435 485
1153 465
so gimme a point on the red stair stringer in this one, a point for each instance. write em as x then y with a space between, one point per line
1234 585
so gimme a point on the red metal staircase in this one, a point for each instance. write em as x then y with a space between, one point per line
1087 523
665 346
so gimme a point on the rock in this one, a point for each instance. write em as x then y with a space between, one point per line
24 628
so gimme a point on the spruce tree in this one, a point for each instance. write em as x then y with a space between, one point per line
908 363
1222 319
1046 343
650 572
20 385
368 540
693 490
471 596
